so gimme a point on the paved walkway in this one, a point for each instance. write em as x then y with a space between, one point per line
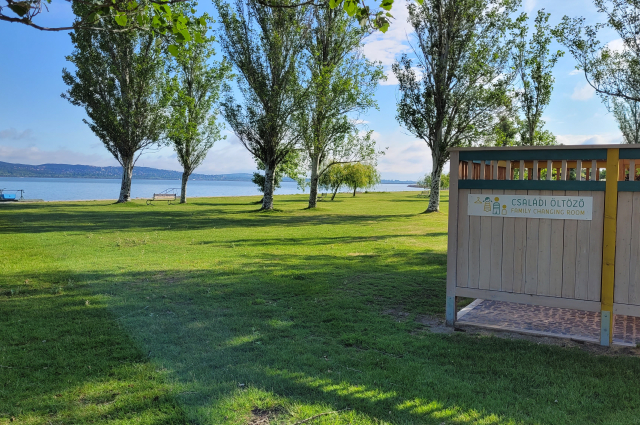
548 321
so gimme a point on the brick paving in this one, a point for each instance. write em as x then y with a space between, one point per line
549 321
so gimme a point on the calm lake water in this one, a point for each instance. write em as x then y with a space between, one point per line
51 189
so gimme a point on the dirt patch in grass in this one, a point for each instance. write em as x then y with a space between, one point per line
263 416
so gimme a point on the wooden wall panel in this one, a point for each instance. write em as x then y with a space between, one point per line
462 260
582 255
519 251
508 230
541 257
595 247
474 248
623 248
569 254
556 253
485 248
544 252
634 271
531 252
497 223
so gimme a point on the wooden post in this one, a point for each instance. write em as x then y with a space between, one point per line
632 170
483 170
536 172
579 170
549 169
594 170
494 165
564 170
521 169
452 247
508 172
609 247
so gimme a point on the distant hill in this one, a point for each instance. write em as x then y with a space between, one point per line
90 172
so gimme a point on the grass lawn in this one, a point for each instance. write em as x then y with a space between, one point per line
213 313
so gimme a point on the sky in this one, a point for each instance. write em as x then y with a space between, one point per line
37 126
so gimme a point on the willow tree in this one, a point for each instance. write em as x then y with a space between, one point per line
454 92
119 82
265 45
193 129
342 85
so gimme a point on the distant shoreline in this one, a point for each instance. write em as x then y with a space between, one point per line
175 179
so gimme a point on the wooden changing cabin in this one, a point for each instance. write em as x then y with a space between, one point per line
552 226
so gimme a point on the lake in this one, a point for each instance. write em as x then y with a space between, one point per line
56 189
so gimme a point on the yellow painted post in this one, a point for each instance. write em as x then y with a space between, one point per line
609 247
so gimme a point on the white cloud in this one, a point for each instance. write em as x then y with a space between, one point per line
589 139
582 92
390 45
406 157
576 72
529 5
616 45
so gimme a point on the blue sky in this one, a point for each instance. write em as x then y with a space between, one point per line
37 126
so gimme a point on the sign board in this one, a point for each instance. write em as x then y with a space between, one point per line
529 206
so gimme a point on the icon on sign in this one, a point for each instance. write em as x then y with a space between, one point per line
504 210
487 204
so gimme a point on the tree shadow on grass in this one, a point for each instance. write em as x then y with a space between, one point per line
309 333
63 220
66 360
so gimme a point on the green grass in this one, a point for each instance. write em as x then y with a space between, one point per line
214 313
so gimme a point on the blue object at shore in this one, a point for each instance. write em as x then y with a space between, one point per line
8 196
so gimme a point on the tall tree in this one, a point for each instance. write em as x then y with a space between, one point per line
462 56
627 113
265 45
610 71
534 63
196 82
342 83
119 82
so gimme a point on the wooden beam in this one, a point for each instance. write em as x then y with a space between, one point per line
452 246
609 247
521 170
535 169
579 170
509 171
549 169
564 170
494 166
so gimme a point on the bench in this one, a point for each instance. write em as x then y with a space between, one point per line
424 194
162 197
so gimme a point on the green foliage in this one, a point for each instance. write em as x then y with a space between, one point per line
195 82
265 46
360 176
289 167
333 179
610 72
425 182
534 63
156 16
341 84
458 95
119 82
627 113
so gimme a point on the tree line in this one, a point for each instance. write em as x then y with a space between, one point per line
301 81
478 75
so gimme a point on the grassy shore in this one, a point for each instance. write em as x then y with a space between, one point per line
214 313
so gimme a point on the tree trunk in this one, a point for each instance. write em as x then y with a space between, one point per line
183 190
267 200
434 195
125 186
354 191
313 188
335 192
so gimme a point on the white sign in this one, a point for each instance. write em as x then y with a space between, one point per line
519 206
